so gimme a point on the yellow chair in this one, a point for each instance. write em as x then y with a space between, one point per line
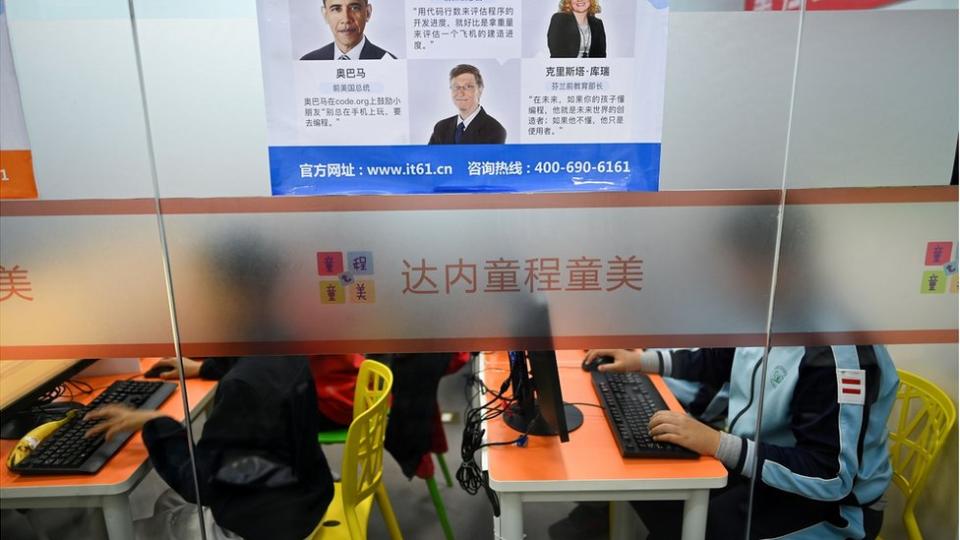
925 416
362 471
339 436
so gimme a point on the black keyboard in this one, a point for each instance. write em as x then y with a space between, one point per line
67 451
629 400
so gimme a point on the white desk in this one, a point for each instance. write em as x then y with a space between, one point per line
110 488
589 467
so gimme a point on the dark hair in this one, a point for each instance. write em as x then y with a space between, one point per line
462 69
365 2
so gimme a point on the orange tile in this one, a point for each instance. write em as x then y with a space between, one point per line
16 175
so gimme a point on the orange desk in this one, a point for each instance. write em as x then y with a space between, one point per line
590 466
108 489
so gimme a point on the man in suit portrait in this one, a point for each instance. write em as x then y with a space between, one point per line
347 20
471 124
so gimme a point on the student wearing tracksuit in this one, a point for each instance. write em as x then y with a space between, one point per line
821 461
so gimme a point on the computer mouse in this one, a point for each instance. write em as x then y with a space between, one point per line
592 366
156 370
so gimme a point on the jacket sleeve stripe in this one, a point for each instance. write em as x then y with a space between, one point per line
780 476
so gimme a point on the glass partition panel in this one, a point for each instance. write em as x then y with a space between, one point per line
727 99
263 278
875 99
204 89
321 278
865 292
83 282
228 218
848 332
727 113
255 276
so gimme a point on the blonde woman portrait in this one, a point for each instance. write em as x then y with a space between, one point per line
576 32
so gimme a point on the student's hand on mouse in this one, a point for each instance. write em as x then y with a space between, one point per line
191 368
623 360
117 419
684 430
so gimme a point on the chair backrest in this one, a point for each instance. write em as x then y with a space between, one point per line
366 391
363 453
924 417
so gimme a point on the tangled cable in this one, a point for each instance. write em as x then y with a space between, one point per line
470 477
46 408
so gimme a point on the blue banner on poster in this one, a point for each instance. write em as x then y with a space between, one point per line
526 168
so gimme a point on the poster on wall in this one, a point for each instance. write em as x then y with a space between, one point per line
454 96
16 165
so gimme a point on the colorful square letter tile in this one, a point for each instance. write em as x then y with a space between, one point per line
938 253
934 282
329 263
362 291
331 292
360 262
953 283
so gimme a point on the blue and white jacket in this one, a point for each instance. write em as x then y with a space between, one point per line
822 453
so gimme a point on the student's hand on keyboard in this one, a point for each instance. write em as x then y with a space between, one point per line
191 368
679 428
118 419
623 360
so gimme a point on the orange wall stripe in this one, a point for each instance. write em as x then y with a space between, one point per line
372 203
369 203
878 337
470 202
885 337
87 350
86 207
882 195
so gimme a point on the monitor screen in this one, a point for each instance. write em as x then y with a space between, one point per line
24 389
538 407
546 382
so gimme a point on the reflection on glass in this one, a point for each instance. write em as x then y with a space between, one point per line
260 471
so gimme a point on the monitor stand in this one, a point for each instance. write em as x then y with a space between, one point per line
17 424
534 424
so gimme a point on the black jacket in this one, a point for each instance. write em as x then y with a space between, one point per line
368 52
416 378
259 466
563 37
483 129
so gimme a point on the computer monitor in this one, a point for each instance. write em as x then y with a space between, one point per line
538 407
25 387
